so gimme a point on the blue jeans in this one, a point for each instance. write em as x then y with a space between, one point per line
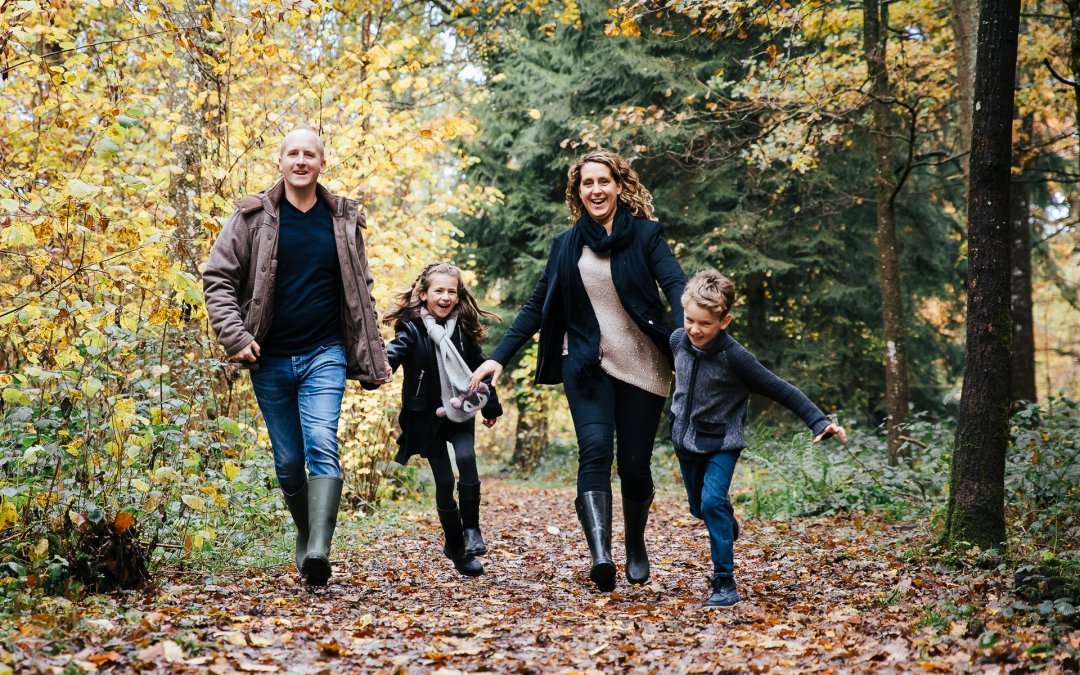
707 479
300 399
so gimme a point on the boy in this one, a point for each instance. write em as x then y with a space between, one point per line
714 377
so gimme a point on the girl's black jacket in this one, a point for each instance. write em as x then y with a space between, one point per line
422 432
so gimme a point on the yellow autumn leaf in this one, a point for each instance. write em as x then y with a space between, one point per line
194 503
141 485
8 515
123 415
80 189
230 470
40 550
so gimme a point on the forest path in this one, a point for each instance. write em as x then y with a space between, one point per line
819 595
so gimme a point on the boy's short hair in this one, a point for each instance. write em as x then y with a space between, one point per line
711 290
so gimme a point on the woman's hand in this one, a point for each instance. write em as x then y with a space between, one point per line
833 429
490 421
490 368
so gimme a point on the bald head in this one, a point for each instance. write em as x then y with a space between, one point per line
307 133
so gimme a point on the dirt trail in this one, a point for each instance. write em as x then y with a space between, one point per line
819 595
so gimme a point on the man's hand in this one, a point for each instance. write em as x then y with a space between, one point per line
250 353
490 421
489 367
832 430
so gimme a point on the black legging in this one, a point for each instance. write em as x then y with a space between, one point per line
443 472
615 409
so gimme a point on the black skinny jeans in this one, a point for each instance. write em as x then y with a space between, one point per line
615 409
464 443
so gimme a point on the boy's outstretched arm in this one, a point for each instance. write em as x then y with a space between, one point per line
761 380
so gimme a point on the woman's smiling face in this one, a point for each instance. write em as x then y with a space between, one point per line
599 192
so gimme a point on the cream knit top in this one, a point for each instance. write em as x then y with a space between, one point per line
627 354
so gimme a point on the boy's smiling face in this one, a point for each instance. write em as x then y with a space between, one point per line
701 324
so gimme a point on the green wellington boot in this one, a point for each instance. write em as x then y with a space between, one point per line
324 496
298 509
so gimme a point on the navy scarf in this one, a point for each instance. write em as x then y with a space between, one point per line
583 339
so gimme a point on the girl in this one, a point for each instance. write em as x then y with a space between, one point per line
438 334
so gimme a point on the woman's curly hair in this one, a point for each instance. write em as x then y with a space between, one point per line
468 312
634 195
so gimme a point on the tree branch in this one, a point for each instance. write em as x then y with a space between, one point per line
8 69
1059 78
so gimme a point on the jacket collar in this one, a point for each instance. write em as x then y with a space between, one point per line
271 198
719 343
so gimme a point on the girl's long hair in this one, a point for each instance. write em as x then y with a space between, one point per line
634 195
468 312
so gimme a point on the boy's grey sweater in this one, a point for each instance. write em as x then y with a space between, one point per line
712 388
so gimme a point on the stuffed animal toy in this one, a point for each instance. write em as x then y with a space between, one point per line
469 401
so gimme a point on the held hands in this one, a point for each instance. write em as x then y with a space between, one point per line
833 429
249 353
489 367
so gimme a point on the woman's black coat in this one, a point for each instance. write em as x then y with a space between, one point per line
422 431
636 270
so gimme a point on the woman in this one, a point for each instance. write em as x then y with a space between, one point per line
603 334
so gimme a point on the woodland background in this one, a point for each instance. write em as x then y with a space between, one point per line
815 152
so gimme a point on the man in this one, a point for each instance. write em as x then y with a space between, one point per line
288 291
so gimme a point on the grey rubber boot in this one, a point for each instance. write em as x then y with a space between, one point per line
324 496
454 549
469 503
298 509
635 518
594 512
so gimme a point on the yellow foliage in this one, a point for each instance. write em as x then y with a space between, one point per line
8 515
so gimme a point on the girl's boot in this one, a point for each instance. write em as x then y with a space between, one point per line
298 509
469 501
454 549
594 512
324 497
635 518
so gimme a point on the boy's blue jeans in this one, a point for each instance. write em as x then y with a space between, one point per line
300 399
707 479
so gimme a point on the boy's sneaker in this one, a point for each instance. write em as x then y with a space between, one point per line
724 593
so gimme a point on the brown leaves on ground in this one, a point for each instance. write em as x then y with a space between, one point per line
820 595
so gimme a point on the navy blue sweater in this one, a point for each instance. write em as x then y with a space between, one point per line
712 389
307 297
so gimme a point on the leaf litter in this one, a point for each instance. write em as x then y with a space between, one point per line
820 595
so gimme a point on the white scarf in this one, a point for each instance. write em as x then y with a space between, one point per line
459 403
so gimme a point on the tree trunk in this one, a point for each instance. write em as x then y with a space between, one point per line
875 25
1022 371
965 13
756 311
203 121
1074 53
977 485
531 434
